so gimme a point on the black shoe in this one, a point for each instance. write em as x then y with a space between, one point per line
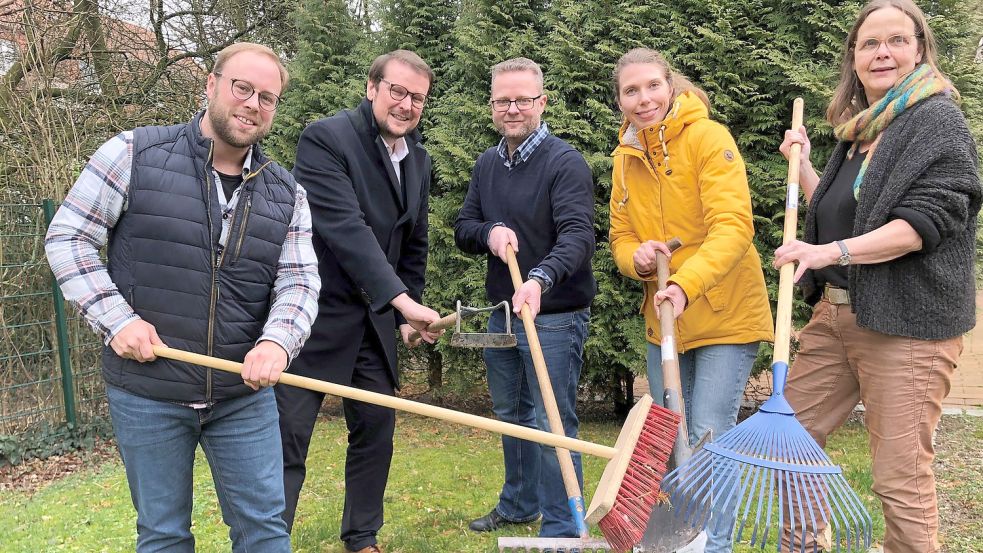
492 521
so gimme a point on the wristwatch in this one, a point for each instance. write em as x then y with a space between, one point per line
844 259
542 283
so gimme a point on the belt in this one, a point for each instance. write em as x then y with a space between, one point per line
836 296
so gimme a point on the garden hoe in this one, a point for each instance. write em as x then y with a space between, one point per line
630 483
474 339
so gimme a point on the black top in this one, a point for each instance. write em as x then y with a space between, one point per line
548 200
835 215
229 183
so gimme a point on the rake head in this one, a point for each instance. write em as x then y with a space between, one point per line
771 474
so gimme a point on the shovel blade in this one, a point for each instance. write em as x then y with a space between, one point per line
667 531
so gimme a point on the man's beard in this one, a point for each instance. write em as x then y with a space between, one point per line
222 125
523 132
386 130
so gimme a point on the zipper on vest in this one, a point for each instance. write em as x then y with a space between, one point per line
242 227
209 185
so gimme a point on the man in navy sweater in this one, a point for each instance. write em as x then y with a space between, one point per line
534 192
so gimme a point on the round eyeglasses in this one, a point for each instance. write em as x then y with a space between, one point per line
398 92
242 90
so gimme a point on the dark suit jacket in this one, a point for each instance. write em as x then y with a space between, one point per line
371 244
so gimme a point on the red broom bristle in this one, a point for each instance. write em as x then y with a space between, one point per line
625 523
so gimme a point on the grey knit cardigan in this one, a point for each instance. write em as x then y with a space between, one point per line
926 161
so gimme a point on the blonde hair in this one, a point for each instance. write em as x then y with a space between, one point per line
849 98
677 81
226 54
518 64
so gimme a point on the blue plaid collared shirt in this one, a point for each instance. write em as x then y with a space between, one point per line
525 150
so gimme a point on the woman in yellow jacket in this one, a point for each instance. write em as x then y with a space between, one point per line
679 174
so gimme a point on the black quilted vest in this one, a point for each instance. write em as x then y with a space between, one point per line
165 258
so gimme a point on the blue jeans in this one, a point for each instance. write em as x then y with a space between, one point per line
533 483
240 438
713 379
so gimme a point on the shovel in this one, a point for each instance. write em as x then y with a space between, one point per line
666 532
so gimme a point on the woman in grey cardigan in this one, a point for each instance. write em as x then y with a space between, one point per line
887 258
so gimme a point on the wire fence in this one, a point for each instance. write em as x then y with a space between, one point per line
49 357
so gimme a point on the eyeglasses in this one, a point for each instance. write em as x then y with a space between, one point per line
398 92
242 90
522 104
894 43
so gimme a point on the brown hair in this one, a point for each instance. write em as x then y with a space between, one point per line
518 64
677 81
226 53
849 98
378 68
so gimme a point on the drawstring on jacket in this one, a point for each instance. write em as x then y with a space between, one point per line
665 149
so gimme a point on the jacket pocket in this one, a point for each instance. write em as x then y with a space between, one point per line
717 298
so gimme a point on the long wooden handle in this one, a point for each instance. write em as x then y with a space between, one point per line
783 313
401 404
567 469
671 383
442 323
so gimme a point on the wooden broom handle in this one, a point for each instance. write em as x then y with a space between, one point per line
667 319
440 324
783 314
567 469
401 404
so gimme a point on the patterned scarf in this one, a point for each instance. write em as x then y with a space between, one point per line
868 125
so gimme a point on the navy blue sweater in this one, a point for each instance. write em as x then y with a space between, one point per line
548 201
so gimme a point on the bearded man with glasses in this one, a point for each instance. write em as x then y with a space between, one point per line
368 178
209 250
533 192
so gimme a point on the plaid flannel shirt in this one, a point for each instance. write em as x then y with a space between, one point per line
94 205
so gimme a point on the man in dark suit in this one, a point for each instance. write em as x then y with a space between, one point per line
368 181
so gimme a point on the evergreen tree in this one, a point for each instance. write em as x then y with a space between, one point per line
327 75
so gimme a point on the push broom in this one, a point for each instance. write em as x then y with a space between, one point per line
768 469
637 461
568 472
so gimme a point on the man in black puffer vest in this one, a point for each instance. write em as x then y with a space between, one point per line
209 250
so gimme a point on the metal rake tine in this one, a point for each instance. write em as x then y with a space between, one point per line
803 489
759 485
855 508
747 493
844 508
821 491
701 480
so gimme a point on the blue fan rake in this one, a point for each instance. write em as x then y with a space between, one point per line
768 471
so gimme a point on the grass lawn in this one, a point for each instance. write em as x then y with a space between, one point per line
442 477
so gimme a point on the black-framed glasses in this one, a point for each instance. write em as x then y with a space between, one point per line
242 90
522 104
894 43
398 92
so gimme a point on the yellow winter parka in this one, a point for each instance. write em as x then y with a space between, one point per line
683 177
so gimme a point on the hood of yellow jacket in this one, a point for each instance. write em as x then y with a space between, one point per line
685 110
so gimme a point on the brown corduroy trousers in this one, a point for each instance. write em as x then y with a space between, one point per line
901 382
